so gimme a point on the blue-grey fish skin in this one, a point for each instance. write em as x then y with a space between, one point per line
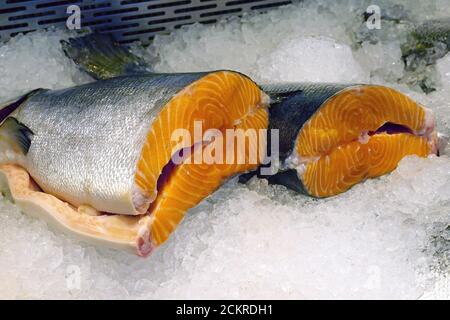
88 139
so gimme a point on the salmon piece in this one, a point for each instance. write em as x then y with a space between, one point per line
110 145
335 136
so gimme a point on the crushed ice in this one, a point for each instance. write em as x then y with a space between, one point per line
385 238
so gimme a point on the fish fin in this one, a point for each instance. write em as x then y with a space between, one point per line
289 179
16 134
103 58
7 108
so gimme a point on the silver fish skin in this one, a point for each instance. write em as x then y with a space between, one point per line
88 139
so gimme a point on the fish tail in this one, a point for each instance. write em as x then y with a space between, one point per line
102 58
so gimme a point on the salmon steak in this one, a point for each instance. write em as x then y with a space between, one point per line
333 136
97 158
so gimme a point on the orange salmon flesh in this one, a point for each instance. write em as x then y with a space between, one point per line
344 142
220 100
